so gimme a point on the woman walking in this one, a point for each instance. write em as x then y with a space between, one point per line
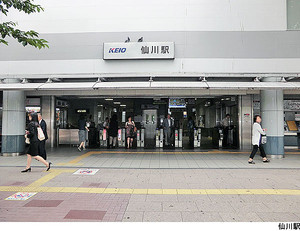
129 132
113 131
33 150
257 131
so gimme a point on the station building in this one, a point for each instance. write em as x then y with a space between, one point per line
195 59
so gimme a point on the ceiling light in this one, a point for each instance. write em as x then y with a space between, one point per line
109 99
117 102
123 105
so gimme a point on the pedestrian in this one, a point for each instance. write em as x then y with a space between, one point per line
257 132
168 125
81 133
191 126
225 125
105 131
33 151
42 144
130 126
113 131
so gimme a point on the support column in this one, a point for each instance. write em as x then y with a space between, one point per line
13 122
48 113
271 104
245 121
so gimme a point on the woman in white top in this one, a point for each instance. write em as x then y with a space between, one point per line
257 131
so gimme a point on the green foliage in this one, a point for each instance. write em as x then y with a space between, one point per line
8 29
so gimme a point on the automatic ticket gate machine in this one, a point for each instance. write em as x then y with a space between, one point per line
140 138
159 138
103 137
178 138
121 137
197 137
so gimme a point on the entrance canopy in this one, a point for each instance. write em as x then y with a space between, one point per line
65 86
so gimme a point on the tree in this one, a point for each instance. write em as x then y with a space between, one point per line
8 29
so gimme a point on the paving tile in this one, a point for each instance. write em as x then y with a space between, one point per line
253 207
85 214
43 203
162 217
162 198
215 207
201 217
144 206
283 207
240 217
278 217
179 206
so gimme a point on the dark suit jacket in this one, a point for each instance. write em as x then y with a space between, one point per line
44 128
166 124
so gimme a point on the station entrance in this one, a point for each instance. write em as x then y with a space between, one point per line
159 123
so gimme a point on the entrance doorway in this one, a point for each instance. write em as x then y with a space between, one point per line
197 122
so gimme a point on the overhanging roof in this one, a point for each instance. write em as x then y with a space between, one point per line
65 86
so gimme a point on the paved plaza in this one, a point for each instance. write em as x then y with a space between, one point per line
136 186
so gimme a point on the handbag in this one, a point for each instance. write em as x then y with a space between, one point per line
27 141
41 135
263 139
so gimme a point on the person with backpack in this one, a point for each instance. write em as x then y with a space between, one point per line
32 135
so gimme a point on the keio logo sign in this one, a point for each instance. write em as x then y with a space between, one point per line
117 50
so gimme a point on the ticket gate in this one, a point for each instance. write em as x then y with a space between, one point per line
159 138
103 137
149 121
221 138
140 137
178 138
197 137
121 137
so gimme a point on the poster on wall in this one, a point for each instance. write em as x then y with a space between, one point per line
291 105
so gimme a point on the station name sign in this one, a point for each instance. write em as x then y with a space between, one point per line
139 50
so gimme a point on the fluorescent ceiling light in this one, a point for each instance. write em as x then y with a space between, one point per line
117 102
123 105
109 99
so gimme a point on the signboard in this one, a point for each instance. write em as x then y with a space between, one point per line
33 102
20 196
291 105
86 172
177 103
82 111
139 50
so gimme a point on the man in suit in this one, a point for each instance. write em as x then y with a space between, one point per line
42 144
168 125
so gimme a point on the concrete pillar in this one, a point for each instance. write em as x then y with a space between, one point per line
245 121
13 122
271 104
48 113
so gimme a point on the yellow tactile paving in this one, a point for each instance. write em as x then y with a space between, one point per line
184 191
155 191
169 191
125 191
199 191
152 191
52 174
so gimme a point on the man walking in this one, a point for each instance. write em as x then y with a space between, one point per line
168 125
225 124
42 144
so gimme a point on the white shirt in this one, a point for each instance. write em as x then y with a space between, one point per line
169 121
256 133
